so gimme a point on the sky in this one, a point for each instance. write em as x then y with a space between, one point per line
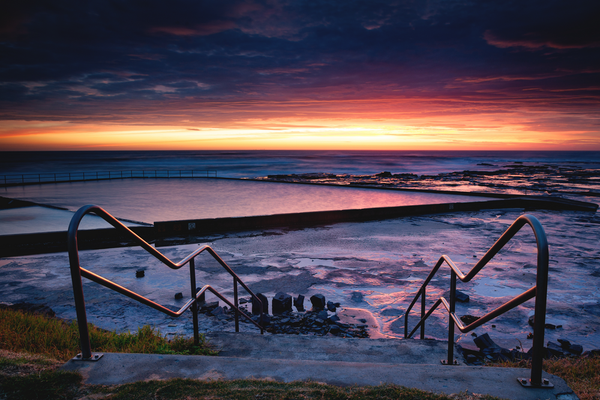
306 74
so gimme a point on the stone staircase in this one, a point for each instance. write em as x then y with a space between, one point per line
332 360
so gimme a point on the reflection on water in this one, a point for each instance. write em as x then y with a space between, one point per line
151 200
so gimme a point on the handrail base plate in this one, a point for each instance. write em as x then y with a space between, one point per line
94 357
526 382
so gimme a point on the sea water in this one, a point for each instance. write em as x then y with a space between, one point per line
249 164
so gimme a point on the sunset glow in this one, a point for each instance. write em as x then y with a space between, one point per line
283 75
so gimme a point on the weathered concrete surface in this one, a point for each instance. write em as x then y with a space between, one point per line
328 348
342 362
124 368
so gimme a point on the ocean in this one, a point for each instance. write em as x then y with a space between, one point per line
250 164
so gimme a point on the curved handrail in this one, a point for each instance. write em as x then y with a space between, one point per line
539 291
77 272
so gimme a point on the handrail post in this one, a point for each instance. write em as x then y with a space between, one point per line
237 305
195 304
540 307
84 335
450 360
423 313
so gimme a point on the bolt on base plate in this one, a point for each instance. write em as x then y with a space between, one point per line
94 357
445 362
525 382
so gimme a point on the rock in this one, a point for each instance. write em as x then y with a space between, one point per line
574 349
318 301
357 297
461 297
207 307
178 296
334 329
256 306
384 174
243 300
322 315
468 319
265 321
217 311
331 306
282 302
139 273
333 319
491 350
299 302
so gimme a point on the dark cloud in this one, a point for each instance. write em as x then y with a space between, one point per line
60 57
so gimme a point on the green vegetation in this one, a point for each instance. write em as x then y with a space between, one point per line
37 334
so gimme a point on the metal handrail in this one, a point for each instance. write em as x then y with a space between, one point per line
539 291
77 272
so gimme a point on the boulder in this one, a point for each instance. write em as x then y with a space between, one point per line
299 303
256 305
331 306
282 302
318 302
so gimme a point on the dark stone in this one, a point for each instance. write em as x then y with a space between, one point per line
334 329
265 321
384 174
139 273
460 296
565 344
299 302
555 350
322 315
178 296
282 302
243 301
217 311
485 342
207 307
318 301
256 306
570 347
357 297
333 319
330 306
468 319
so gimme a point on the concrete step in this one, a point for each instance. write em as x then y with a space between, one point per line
336 361
328 348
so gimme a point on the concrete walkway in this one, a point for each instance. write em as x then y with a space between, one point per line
343 362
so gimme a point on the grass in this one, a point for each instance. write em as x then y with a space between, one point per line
582 374
37 334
